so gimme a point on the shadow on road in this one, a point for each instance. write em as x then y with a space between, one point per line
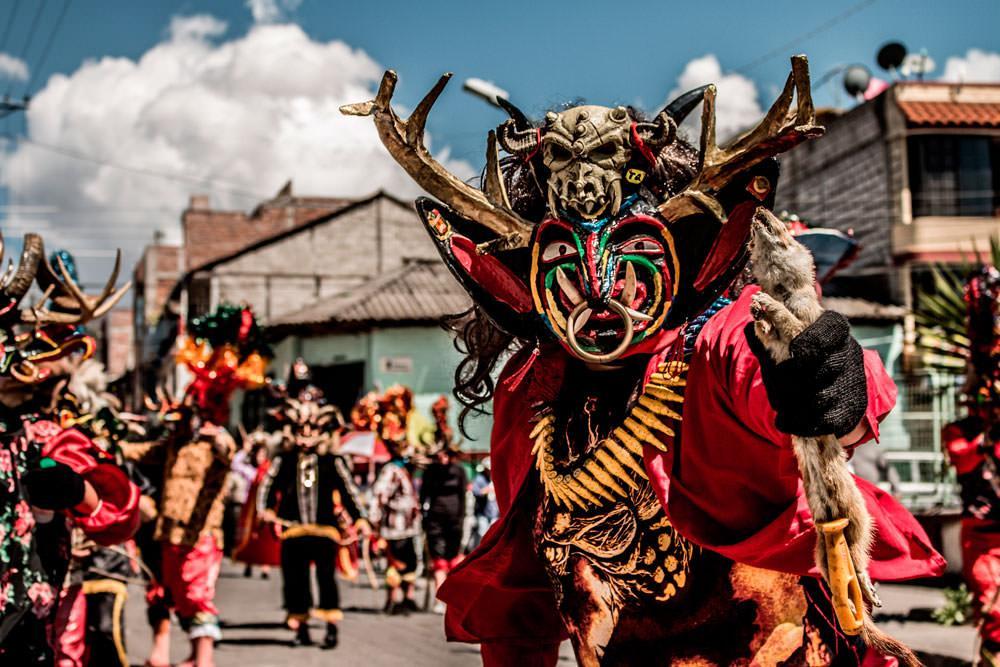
254 641
253 626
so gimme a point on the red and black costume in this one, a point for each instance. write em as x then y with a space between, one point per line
650 498
54 480
973 447
309 489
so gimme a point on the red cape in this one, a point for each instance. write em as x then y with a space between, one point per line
733 486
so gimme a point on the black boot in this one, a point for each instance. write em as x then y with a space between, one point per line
330 640
302 637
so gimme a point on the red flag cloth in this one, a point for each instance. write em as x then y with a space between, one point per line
734 486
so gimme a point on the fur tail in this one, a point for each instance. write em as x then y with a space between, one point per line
877 640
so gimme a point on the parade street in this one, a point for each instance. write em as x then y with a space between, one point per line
254 635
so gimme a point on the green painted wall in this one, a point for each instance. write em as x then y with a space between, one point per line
422 358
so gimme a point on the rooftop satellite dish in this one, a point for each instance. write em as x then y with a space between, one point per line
891 56
856 80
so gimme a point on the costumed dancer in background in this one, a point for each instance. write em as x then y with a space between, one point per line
224 351
309 492
54 480
973 443
258 542
395 508
645 447
443 488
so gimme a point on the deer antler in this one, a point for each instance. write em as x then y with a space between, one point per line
405 141
780 130
72 298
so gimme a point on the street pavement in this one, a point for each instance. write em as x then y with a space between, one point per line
254 635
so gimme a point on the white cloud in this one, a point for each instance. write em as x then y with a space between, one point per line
736 103
12 68
977 66
245 114
271 11
196 28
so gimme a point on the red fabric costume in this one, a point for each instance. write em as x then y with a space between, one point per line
189 574
114 520
259 542
980 539
731 485
117 517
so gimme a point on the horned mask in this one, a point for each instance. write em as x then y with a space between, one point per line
52 327
606 244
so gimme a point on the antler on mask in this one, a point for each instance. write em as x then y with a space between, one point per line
777 132
74 306
15 283
405 141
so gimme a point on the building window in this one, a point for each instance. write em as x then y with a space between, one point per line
954 175
199 297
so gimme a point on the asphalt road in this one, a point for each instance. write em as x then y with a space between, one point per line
254 635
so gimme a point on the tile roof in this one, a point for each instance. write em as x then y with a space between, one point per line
419 291
951 114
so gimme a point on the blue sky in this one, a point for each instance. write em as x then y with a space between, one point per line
544 53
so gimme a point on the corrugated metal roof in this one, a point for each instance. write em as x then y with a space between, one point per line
951 114
419 291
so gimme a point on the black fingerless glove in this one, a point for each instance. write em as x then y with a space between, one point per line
54 486
821 388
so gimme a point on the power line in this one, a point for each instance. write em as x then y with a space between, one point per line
184 178
48 46
10 24
31 36
788 46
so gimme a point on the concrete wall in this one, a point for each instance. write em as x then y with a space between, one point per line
422 358
324 260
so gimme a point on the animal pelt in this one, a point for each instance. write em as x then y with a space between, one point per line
89 385
785 306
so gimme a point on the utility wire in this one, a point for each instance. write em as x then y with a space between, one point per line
31 36
48 47
821 28
183 178
10 24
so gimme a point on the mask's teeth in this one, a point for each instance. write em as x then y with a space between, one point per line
566 285
628 292
581 320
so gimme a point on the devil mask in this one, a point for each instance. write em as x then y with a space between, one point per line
599 228
32 337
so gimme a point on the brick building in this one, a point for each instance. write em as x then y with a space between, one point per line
207 235
915 173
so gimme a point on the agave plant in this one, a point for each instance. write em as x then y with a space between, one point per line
942 313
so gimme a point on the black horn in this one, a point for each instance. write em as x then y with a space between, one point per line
683 105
